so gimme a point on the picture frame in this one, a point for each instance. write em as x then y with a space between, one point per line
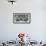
21 18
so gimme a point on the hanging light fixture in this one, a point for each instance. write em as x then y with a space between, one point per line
12 1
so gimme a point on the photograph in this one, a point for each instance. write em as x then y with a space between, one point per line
21 18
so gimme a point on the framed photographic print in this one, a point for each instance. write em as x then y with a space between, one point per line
21 18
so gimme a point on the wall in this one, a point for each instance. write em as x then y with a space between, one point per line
37 28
